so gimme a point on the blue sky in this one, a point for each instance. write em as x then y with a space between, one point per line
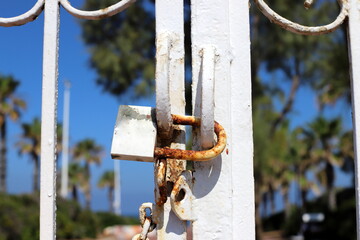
92 112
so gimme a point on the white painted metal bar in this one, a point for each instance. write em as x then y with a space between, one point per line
223 205
241 143
170 32
354 58
212 205
163 107
48 121
65 142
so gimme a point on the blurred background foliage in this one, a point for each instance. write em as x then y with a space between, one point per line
19 217
122 52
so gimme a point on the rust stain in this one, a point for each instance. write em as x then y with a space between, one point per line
162 196
176 167
106 14
160 188
176 188
104 9
160 172
185 120
35 16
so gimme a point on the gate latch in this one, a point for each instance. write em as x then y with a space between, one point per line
135 137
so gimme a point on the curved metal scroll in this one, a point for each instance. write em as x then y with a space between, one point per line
97 14
24 18
36 10
301 29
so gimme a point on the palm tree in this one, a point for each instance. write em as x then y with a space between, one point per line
346 153
77 179
325 134
90 152
266 157
107 180
30 143
302 146
10 106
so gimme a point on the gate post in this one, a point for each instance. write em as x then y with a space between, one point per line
354 59
242 170
170 98
224 187
48 122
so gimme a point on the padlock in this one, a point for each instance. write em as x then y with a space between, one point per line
134 135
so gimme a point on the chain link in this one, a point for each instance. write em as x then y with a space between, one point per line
148 226
146 221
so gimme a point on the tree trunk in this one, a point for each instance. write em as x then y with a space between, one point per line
3 164
272 199
288 105
74 193
303 193
265 200
88 198
36 172
111 199
330 176
332 199
287 206
258 222
88 187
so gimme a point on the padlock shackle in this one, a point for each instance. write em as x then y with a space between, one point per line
192 155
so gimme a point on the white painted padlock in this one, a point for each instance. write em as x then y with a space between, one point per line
134 135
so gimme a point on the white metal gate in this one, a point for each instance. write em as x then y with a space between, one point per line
220 202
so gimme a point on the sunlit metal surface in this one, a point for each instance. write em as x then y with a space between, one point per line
207 96
97 14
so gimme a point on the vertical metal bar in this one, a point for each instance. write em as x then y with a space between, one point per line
65 142
48 122
354 58
223 203
169 25
117 197
243 189
212 180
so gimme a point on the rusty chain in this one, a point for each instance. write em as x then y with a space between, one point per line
146 221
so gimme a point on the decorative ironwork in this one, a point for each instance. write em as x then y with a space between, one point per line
301 29
37 9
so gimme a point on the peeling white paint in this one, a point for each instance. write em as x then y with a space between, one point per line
170 93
